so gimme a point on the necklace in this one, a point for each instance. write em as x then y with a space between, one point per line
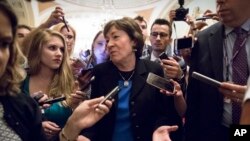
126 82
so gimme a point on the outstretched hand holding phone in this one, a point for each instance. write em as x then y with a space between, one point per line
84 116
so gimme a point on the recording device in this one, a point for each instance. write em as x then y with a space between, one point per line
206 79
111 94
159 82
86 53
51 101
203 18
88 84
66 25
86 71
38 97
184 43
163 55
181 12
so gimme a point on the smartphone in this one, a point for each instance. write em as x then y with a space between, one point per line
159 82
111 94
86 53
183 43
51 101
163 55
86 71
88 84
203 18
206 79
38 97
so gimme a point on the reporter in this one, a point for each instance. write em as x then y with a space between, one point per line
209 115
20 117
49 71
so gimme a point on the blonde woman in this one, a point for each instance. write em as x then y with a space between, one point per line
49 73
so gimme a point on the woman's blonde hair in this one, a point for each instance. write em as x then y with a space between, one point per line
60 26
63 81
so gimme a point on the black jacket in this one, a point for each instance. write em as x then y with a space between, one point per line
23 115
204 102
149 108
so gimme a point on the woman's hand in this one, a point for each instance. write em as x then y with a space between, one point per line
51 129
85 115
55 18
40 97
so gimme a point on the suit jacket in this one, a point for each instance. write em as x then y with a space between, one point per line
149 108
204 102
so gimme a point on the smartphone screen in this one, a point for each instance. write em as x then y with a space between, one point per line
184 43
159 82
163 55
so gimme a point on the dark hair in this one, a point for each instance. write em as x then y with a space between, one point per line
6 8
93 57
93 42
24 26
141 19
163 22
131 28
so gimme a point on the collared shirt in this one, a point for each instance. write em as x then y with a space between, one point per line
228 45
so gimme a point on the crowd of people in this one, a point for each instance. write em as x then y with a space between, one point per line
36 67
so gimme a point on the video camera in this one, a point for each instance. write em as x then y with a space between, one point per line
181 12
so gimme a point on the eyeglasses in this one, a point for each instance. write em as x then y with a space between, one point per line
161 34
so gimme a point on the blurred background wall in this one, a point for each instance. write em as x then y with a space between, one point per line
89 16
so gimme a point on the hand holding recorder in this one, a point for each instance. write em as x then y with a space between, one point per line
206 79
111 94
159 82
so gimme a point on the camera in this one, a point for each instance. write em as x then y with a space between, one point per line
181 12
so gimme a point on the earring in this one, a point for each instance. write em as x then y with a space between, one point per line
134 49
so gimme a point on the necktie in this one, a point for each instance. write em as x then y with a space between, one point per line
240 70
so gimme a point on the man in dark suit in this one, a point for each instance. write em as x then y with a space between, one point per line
209 111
